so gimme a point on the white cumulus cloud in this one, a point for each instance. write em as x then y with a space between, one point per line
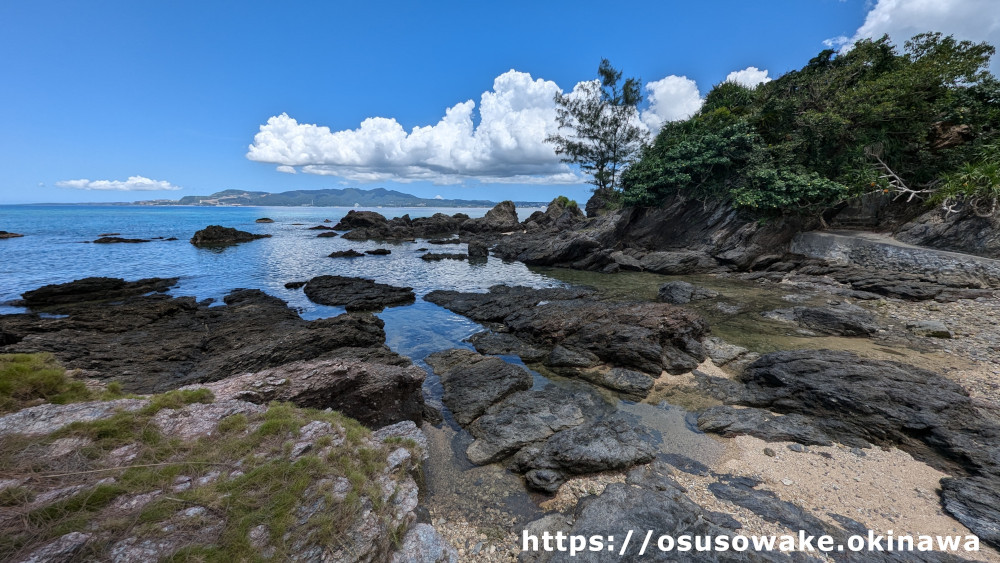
974 20
670 99
133 184
750 77
287 169
508 145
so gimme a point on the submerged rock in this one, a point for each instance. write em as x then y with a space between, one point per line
5 234
503 344
841 319
264 220
931 329
215 235
437 257
112 240
349 253
681 292
356 294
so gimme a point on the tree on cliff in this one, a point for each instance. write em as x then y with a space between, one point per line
599 126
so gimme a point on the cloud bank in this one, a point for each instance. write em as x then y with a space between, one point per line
507 146
133 184
750 77
973 20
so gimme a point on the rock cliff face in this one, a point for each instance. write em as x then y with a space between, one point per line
683 236
959 232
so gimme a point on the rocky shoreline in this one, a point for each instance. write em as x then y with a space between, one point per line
543 393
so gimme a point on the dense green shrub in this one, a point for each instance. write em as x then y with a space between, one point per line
807 139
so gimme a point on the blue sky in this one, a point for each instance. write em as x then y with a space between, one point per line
114 101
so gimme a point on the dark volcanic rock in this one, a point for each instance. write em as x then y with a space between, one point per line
356 294
681 292
436 257
869 283
360 220
327 234
436 225
677 262
502 218
729 421
609 443
503 344
5 234
975 502
742 491
524 418
856 401
379 252
648 337
264 220
321 228
963 231
478 249
626 381
94 289
681 236
501 300
375 394
214 235
112 240
295 284
152 343
842 319
472 383
560 214
649 500
349 253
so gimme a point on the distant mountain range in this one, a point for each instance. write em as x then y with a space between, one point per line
348 197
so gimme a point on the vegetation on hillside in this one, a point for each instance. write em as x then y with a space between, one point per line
921 123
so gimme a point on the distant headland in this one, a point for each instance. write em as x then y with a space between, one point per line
347 197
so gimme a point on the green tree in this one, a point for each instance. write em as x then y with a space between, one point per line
873 118
599 126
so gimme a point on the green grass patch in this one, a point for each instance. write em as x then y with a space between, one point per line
256 484
30 379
